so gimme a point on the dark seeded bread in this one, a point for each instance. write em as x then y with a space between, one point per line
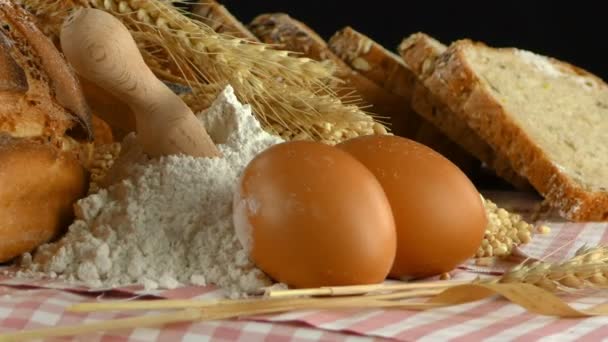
388 71
419 51
220 19
373 61
292 35
549 118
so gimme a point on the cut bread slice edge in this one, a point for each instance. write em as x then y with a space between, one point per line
419 51
387 70
464 86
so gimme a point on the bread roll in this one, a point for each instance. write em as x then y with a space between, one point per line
45 136
38 184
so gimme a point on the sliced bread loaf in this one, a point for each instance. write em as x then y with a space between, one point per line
419 51
549 118
292 35
388 71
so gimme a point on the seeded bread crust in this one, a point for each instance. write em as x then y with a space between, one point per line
292 35
388 71
221 20
381 67
373 61
453 80
419 51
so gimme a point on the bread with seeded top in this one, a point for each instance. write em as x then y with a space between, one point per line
216 16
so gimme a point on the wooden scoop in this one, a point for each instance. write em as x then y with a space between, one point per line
101 50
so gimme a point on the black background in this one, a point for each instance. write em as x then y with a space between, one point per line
571 31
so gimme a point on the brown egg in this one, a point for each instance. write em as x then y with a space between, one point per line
312 215
439 216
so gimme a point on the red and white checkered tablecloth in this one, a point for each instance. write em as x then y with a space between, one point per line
25 304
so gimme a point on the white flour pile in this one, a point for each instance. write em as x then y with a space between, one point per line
169 221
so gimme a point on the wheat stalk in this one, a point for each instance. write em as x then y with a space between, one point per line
588 268
354 290
205 311
289 93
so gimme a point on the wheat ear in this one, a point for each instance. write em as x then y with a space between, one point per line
287 92
588 268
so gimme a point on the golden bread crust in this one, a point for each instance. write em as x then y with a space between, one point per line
45 132
38 186
42 62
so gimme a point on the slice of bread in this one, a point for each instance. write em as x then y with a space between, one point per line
388 71
419 51
373 61
549 118
292 35
220 19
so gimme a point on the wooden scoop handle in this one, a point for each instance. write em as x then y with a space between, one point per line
102 50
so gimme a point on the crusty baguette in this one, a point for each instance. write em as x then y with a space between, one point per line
549 118
220 19
418 51
388 70
45 134
292 35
